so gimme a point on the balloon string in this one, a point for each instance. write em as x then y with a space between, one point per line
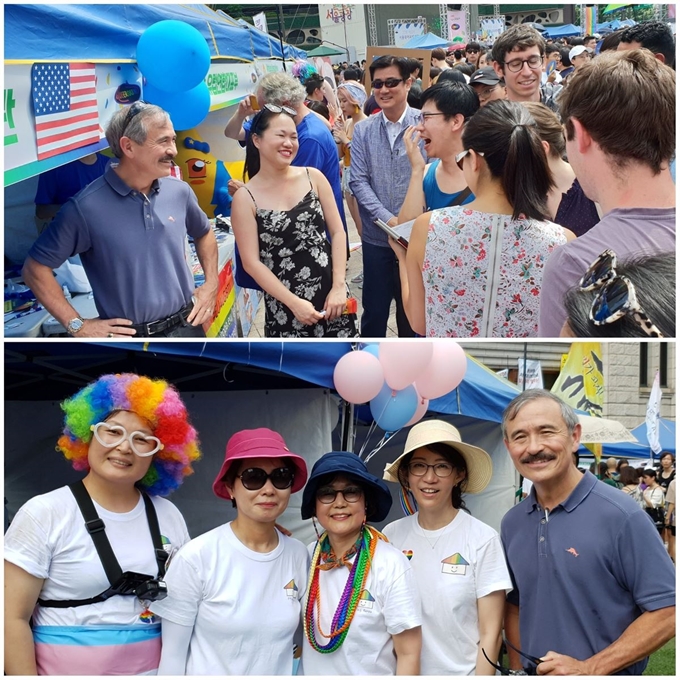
386 439
369 434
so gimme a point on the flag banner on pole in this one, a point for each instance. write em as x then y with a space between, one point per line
581 382
534 374
653 415
65 105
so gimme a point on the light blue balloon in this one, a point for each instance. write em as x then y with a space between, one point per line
372 348
186 109
392 412
173 56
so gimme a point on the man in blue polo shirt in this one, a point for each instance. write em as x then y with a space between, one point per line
594 589
129 227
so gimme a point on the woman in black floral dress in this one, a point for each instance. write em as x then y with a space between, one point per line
280 219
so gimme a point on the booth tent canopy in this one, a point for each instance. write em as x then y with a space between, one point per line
426 42
324 51
54 32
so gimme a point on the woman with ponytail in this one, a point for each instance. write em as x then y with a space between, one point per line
361 612
477 270
457 560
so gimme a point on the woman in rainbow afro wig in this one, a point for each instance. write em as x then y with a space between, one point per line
90 615
155 401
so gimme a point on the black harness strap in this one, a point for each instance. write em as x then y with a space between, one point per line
96 528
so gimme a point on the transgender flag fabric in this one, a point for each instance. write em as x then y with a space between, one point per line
97 650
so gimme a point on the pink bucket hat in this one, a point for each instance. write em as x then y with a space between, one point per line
259 443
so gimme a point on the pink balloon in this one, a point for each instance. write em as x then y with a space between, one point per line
421 410
403 362
445 371
358 377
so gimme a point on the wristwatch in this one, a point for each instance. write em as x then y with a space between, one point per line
74 325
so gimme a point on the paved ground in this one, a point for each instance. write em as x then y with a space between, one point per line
354 267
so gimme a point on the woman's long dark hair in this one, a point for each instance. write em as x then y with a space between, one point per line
260 123
506 133
453 457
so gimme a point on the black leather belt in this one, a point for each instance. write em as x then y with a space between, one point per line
170 322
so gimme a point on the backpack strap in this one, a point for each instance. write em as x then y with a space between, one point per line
460 198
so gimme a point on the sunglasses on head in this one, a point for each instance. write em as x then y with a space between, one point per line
616 298
280 109
390 83
254 479
132 111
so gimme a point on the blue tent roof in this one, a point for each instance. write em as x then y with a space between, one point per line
111 32
562 31
426 42
666 434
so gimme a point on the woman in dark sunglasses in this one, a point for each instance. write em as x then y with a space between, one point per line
361 611
233 605
280 220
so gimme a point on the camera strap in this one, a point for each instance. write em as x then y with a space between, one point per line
96 528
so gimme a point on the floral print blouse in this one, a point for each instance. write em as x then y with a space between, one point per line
483 272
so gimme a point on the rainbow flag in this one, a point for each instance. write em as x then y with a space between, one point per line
590 19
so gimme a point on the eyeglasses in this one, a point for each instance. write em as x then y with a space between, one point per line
526 670
351 494
390 83
485 94
516 65
111 435
132 111
617 297
280 109
471 51
440 469
460 156
254 479
422 118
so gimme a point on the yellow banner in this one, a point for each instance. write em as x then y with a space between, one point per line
581 382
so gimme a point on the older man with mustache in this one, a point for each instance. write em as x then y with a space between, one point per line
130 227
594 590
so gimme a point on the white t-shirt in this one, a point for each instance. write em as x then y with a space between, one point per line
388 606
47 538
454 567
244 606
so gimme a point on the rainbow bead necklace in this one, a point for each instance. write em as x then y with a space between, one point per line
349 601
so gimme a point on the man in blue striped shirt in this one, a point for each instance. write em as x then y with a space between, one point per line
380 177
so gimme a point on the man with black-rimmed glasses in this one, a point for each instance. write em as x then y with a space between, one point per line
518 59
129 227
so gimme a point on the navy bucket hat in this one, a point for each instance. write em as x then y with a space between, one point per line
346 463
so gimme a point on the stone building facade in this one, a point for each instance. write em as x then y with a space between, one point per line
628 367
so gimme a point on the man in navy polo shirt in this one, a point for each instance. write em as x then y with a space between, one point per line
129 227
594 589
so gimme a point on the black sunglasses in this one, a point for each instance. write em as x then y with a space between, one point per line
616 298
132 111
506 670
254 479
388 82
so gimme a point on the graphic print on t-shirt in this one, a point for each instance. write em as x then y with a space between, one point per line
408 553
455 564
366 601
291 590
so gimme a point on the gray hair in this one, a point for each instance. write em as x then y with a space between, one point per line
513 408
281 89
135 129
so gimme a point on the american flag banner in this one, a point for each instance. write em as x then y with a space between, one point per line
65 107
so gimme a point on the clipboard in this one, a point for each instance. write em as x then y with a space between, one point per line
400 233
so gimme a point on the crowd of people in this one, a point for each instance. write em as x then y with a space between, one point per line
540 178
436 593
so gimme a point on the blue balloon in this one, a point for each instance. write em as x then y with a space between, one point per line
186 109
372 348
392 411
173 56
